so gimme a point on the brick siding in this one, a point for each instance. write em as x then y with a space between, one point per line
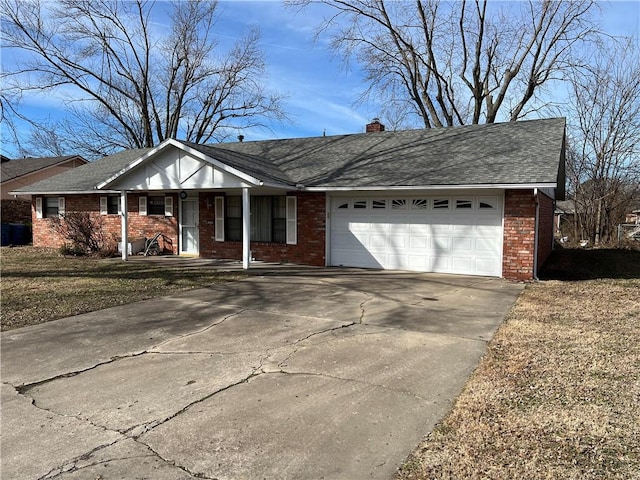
44 235
15 211
519 230
519 233
545 228
310 247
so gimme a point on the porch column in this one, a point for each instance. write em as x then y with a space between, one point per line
124 224
246 229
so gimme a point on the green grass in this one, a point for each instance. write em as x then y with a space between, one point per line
39 285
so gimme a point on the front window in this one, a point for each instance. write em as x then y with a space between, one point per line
155 205
268 219
113 205
51 207
233 221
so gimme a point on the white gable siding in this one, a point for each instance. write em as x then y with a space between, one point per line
173 169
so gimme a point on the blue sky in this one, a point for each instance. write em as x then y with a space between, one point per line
320 92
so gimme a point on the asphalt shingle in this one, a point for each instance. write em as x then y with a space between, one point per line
516 153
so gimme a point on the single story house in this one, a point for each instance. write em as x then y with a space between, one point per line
476 200
18 173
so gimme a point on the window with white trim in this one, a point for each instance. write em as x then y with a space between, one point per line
399 204
359 204
441 204
110 205
419 204
155 205
51 207
379 204
487 203
464 204
268 221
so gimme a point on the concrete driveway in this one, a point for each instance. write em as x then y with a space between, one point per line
289 374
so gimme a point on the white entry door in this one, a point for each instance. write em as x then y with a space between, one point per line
189 231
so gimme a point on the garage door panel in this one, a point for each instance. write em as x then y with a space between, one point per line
452 240
489 245
462 244
419 241
486 266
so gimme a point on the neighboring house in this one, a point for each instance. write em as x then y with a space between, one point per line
475 200
19 173
565 219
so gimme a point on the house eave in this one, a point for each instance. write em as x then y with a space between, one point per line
493 186
63 192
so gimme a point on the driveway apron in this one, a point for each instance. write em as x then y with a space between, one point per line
305 374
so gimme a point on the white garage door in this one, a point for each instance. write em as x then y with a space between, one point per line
446 234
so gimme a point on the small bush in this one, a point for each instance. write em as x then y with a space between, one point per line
83 231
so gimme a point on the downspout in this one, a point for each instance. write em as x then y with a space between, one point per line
535 235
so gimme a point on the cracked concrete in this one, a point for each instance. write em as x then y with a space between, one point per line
317 373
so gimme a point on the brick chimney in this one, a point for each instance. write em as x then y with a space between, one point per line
375 126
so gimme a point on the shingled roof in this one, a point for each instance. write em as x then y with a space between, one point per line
517 153
11 169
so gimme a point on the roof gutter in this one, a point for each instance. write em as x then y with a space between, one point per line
64 192
432 187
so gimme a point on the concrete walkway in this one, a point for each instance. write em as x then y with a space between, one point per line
288 374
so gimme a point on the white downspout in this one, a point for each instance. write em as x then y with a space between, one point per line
124 225
246 229
535 235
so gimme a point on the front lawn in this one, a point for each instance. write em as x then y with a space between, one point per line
39 285
557 395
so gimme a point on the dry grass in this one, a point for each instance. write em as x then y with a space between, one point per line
39 285
557 395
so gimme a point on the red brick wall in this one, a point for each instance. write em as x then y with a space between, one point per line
139 225
519 230
545 228
15 211
310 249
519 233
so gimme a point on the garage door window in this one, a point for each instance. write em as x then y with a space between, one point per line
441 204
464 204
419 204
380 204
359 204
487 203
398 204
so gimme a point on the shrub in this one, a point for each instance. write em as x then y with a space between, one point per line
82 230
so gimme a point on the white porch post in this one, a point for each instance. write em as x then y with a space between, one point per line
124 224
246 229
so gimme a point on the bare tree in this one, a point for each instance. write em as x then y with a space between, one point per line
604 167
458 62
132 82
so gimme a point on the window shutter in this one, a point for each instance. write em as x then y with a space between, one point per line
61 206
219 214
142 206
292 220
38 207
168 206
104 208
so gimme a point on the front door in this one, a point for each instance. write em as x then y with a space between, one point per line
189 226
